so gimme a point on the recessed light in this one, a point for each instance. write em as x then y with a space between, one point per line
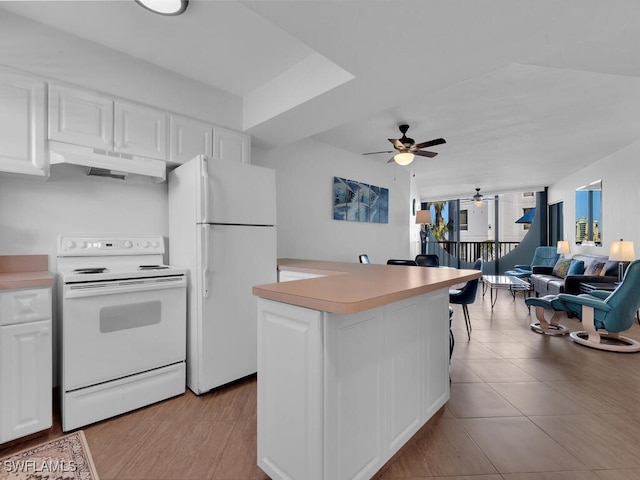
165 7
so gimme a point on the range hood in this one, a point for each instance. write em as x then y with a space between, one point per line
105 163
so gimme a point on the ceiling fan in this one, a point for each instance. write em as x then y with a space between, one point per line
407 148
476 199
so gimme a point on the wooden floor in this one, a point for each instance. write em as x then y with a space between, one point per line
523 407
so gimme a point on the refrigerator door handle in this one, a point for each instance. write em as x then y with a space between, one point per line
205 190
205 261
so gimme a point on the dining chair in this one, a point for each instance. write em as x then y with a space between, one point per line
394 261
466 295
428 260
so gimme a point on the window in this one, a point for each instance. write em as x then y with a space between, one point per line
464 220
589 214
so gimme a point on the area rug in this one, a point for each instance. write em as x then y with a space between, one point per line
65 458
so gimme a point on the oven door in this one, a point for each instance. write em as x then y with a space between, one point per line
115 329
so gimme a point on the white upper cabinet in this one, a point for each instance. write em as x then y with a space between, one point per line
92 120
232 145
189 138
140 130
80 118
22 125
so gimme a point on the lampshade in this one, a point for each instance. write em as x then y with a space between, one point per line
403 158
563 247
423 217
622 251
165 7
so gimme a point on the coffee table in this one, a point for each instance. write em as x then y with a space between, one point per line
505 282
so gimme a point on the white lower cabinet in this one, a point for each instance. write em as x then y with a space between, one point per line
338 395
25 362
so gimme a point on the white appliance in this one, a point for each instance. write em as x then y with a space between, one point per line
122 317
222 218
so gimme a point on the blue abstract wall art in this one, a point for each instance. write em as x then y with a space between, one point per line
359 202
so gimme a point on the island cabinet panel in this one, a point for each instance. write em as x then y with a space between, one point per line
339 394
354 393
290 399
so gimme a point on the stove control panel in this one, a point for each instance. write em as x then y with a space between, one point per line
93 245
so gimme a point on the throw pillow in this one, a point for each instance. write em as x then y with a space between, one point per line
595 269
576 267
561 267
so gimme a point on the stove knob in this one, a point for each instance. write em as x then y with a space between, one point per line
155 244
82 244
145 244
70 244
128 244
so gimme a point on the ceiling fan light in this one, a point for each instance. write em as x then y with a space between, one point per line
165 7
404 158
477 202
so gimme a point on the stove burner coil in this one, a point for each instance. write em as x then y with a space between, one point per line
152 267
89 270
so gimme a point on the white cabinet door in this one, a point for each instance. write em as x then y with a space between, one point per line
232 145
140 130
189 138
80 118
22 125
25 376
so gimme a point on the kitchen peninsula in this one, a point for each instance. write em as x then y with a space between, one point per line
352 361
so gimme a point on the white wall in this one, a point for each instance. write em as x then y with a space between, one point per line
33 212
35 48
620 176
306 228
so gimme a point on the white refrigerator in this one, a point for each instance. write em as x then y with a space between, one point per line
222 227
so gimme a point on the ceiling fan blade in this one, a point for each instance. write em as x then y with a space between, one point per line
396 143
391 160
373 153
424 153
431 143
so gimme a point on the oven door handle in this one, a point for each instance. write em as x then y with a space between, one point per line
205 260
124 286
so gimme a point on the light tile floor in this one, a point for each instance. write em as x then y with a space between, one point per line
529 407
523 407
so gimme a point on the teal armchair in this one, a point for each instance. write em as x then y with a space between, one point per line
543 256
604 315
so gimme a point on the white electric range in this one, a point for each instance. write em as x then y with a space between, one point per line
122 318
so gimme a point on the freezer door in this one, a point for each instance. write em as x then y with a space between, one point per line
236 193
238 257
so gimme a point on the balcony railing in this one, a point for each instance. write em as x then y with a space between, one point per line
451 253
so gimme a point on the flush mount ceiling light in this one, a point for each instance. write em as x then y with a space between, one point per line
165 7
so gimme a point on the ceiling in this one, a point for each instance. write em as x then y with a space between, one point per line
523 91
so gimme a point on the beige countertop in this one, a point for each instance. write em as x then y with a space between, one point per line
24 271
355 287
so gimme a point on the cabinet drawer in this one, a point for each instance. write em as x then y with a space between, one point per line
22 306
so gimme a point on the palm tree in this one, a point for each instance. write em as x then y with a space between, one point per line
440 228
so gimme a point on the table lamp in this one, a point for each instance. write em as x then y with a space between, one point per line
563 248
423 217
623 252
